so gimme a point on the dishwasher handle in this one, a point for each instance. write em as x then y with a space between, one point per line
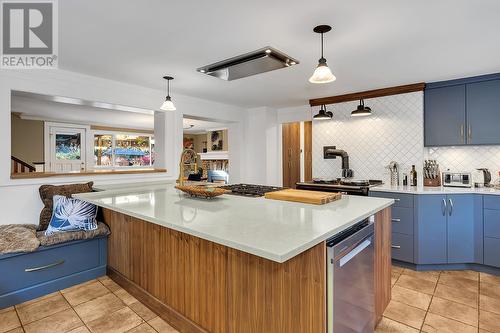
354 252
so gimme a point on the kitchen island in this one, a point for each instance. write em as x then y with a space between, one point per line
233 264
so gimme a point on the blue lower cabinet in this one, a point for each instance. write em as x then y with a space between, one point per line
402 247
492 223
431 230
492 251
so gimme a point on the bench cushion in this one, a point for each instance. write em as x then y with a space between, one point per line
18 238
47 193
63 237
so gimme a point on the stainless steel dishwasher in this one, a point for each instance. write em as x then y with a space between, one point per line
350 283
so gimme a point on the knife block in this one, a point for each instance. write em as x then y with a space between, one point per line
432 182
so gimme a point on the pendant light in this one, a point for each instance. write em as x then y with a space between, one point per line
322 74
168 105
361 110
323 114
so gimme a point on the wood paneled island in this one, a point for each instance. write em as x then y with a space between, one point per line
204 267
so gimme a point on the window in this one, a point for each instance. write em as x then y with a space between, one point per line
122 150
68 146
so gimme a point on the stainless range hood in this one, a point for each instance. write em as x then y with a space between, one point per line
262 60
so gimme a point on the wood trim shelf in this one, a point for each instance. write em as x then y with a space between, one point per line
368 94
32 175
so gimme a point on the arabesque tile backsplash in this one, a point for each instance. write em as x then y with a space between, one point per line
393 133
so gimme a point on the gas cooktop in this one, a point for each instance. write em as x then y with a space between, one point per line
250 190
349 182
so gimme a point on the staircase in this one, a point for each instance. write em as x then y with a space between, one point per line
18 166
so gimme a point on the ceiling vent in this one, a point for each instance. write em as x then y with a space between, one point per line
260 61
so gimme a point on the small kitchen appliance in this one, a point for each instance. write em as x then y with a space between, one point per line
482 178
457 179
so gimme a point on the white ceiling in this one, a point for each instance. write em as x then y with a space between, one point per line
374 44
201 126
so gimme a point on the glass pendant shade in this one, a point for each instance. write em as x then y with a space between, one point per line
168 105
322 74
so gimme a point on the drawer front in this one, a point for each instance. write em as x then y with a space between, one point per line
401 199
492 202
491 251
402 247
402 220
41 266
492 223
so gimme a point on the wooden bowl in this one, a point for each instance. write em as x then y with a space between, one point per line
201 191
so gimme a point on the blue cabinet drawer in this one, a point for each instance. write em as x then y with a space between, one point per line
492 202
492 251
492 223
46 264
402 247
401 199
402 220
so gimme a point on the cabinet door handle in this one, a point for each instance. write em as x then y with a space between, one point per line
34 269
396 246
397 199
462 134
443 207
451 206
396 220
469 132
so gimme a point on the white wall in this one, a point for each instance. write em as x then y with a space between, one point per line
20 201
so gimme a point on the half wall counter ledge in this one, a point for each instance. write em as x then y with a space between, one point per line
238 264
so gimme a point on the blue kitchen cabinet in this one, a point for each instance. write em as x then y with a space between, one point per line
465 228
449 229
431 230
483 112
444 116
492 230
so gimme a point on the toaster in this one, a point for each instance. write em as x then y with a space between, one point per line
457 179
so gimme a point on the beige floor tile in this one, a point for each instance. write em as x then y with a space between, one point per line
110 284
18 306
143 311
98 307
41 309
125 296
8 321
436 323
397 269
79 286
456 311
117 322
405 314
161 326
490 289
60 322
387 325
463 296
489 304
81 329
411 297
394 278
432 276
16 330
143 328
489 321
459 282
466 274
83 293
489 278
10 308
410 282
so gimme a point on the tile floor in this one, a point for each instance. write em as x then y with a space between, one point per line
98 306
447 301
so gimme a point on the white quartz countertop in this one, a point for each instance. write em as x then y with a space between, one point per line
434 190
275 230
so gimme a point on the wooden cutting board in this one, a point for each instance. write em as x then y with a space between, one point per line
304 196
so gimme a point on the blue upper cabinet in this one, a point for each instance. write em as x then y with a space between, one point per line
444 116
483 112
462 112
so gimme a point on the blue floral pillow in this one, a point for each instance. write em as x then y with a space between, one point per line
71 214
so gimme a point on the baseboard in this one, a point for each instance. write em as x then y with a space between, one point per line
45 288
174 318
450 267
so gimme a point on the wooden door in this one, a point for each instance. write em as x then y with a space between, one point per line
291 154
308 151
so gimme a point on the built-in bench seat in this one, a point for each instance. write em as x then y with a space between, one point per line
24 276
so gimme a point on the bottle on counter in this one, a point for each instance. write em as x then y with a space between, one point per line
413 176
405 179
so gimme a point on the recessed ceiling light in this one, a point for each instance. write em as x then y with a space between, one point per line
268 51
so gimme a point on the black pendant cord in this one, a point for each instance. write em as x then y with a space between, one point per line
322 46
168 88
